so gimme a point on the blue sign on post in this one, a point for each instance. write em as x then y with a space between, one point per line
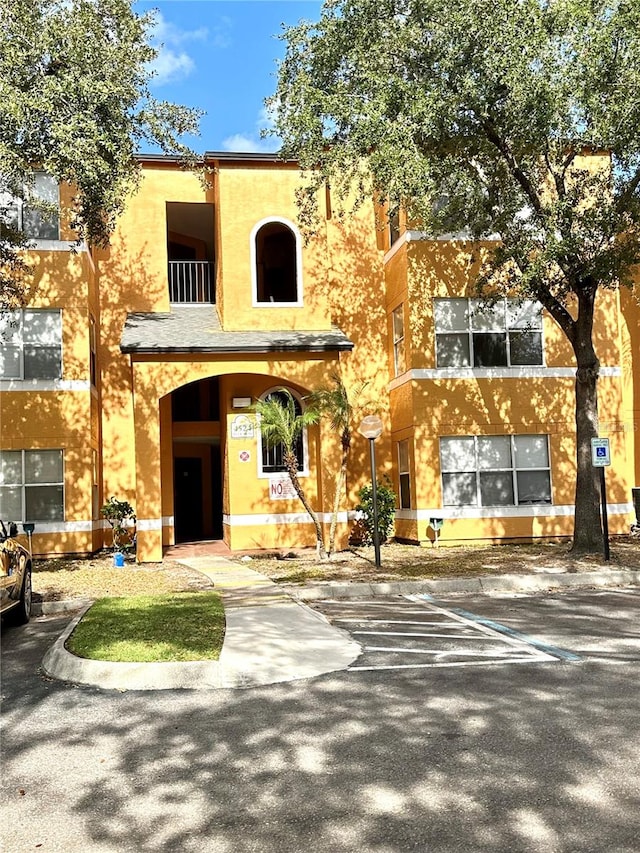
600 452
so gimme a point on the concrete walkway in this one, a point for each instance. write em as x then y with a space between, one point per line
269 638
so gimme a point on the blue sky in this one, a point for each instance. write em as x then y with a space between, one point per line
221 56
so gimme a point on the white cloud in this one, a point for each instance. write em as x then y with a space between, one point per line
252 143
173 62
169 66
240 143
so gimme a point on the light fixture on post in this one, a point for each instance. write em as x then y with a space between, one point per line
371 428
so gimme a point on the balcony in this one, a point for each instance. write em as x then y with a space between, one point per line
190 282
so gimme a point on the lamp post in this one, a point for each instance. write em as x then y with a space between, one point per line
371 428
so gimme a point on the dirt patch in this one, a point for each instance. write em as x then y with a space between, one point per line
409 562
95 577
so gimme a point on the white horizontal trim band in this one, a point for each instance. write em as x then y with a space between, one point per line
280 518
149 524
45 385
537 511
64 526
531 372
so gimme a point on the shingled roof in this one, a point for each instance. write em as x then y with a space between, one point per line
196 329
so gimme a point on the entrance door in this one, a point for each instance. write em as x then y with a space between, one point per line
187 507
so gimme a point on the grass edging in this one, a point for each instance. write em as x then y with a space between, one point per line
151 628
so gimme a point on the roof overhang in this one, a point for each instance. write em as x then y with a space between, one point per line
198 330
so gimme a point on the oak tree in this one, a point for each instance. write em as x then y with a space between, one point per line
76 104
520 118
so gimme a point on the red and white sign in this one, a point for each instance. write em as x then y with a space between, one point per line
244 456
281 489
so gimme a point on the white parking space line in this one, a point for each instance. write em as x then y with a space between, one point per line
462 635
493 662
468 636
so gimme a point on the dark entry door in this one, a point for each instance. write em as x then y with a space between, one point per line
187 508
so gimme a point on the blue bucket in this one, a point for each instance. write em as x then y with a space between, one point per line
118 560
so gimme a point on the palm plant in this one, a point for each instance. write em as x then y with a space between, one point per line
334 403
280 424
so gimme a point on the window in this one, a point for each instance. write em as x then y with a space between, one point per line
273 457
399 364
472 333
93 352
31 344
394 226
31 485
495 470
276 260
26 215
404 474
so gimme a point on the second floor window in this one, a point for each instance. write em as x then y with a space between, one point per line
26 214
31 344
474 333
276 264
399 363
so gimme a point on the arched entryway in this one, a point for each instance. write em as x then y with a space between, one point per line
197 467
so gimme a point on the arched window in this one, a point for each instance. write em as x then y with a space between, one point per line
276 250
272 458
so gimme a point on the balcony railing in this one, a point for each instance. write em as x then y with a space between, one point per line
190 281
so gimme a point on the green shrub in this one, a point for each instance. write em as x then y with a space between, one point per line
386 511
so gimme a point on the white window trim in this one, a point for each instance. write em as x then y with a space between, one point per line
23 485
254 272
513 469
302 471
470 332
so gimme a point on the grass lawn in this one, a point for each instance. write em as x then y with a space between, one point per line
174 627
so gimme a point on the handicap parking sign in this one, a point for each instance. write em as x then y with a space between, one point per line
600 452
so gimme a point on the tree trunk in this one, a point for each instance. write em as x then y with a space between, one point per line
587 532
336 505
291 464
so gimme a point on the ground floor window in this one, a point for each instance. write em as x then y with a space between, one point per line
495 470
273 457
31 485
404 475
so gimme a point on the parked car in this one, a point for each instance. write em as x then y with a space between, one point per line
15 576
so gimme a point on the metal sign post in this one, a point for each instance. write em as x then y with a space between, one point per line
601 458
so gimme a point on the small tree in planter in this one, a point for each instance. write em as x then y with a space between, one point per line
121 518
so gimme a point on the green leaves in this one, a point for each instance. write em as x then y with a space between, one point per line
490 105
74 85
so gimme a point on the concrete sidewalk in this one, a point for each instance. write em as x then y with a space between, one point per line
269 638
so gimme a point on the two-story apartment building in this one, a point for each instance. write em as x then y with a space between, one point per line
132 372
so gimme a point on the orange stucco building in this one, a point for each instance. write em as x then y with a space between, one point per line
132 372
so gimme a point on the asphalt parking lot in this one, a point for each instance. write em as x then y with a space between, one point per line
419 632
515 750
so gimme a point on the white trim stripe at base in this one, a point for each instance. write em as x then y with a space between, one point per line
539 511
64 526
149 524
280 518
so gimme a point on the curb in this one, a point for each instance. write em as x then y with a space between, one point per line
487 584
54 608
61 664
